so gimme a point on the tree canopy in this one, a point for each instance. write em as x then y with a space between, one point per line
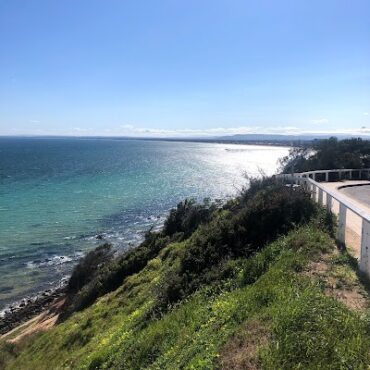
328 154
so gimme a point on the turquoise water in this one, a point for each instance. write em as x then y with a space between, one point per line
56 195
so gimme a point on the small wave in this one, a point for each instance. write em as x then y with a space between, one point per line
7 258
33 297
52 261
237 150
73 237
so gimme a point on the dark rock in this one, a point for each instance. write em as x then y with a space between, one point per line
28 308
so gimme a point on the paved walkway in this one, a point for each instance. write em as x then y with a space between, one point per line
358 196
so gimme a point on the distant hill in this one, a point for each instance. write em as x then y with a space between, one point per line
280 137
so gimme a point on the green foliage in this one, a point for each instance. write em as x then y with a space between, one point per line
307 329
316 332
111 275
187 216
97 274
268 213
328 154
176 302
88 267
8 352
255 185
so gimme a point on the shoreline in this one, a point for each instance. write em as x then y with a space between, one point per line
27 308
19 312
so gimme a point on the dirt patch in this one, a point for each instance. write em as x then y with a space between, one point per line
317 269
241 351
27 309
353 299
42 322
339 281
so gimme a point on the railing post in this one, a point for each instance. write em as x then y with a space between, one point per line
341 232
329 202
306 184
321 197
313 192
327 176
365 246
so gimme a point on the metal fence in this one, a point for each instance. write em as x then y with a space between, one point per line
326 196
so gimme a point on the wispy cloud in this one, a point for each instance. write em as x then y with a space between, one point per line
222 131
129 127
366 113
34 121
320 120
216 131
137 131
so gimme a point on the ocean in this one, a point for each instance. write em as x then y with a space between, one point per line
60 197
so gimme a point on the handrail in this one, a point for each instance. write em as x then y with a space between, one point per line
355 209
337 170
344 204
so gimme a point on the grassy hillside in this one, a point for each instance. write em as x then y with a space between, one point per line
278 302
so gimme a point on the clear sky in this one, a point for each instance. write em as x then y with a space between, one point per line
190 67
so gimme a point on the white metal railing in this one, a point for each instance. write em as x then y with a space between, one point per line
340 172
318 191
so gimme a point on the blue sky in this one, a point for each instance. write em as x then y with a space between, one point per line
184 68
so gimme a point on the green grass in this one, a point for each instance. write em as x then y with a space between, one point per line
307 330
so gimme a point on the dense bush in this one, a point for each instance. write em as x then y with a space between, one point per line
110 275
98 274
241 286
88 267
212 236
328 154
268 213
187 216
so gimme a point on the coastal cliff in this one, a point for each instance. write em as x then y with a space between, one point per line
255 283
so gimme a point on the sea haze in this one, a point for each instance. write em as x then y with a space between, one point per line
57 195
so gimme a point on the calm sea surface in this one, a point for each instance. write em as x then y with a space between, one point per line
57 195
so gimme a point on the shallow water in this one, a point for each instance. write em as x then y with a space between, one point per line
56 195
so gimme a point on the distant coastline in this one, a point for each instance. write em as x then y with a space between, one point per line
279 140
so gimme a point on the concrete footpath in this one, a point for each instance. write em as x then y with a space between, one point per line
358 193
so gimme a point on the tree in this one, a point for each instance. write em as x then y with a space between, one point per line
328 154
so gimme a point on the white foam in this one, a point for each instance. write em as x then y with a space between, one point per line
53 261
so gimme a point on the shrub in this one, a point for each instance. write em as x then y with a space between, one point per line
88 267
328 154
267 214
98 274
108 276
187 216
